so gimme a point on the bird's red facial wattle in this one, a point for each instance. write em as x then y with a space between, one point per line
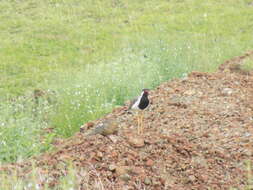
146 91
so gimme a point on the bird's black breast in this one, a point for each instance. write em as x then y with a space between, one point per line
143 102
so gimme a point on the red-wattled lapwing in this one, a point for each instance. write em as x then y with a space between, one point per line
140 103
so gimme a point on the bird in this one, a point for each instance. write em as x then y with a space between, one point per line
104 128
140 103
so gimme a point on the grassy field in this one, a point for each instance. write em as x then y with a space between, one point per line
90 56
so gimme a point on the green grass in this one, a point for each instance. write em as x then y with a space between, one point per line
21 132
94 55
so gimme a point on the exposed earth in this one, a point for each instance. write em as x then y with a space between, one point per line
198 134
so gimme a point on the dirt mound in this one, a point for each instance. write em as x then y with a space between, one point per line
198 135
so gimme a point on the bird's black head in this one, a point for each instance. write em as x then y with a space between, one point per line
145 91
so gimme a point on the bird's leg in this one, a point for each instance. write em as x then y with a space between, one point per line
139 123
137 118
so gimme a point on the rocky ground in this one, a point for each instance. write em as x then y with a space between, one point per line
198 134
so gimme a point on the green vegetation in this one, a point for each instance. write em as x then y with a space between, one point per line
90 56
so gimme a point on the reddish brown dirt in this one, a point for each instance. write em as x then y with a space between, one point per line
198 135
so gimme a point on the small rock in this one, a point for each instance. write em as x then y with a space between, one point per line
137 171
136 142
114 154
247 134
192 178
147 181
149 162
161 110
226 91
121 170
162 180
112 167
99 154
125 177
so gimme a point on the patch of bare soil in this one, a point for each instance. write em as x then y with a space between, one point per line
198 135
